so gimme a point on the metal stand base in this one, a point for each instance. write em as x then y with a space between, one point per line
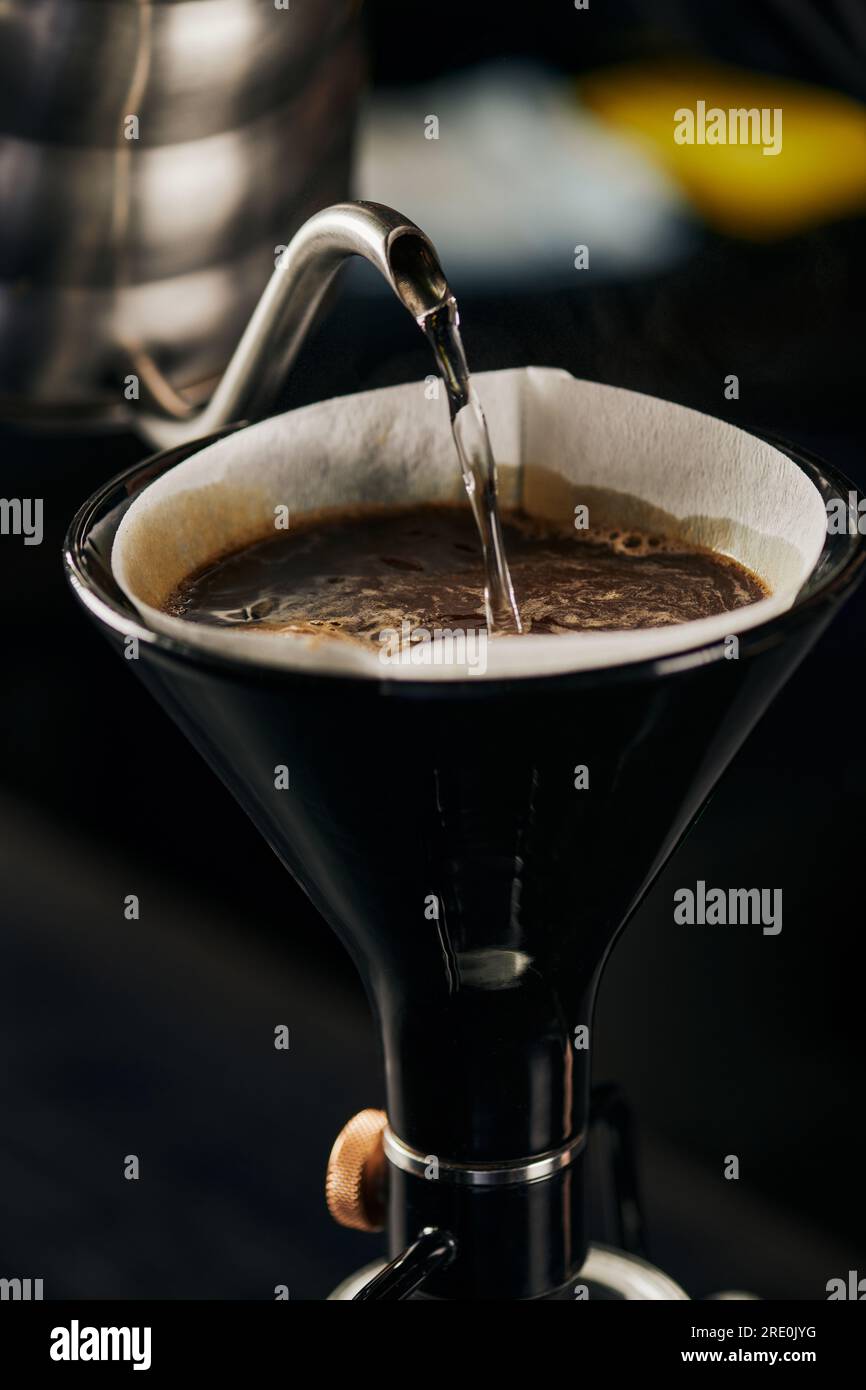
607 1274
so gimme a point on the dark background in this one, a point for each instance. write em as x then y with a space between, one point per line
156 1037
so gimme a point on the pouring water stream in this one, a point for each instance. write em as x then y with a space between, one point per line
407 260
441 327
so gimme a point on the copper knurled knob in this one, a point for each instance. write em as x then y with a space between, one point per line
354 1186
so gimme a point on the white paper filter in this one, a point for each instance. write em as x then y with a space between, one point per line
558 442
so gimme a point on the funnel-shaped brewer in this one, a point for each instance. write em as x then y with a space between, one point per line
437 826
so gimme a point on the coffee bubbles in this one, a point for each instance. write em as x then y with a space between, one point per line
355 573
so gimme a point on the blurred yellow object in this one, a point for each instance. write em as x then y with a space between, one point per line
819 173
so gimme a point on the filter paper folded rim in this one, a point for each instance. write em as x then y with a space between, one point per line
559 442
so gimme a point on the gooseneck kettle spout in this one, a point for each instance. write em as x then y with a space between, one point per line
399 250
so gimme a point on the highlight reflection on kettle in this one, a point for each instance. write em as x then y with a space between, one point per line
154 155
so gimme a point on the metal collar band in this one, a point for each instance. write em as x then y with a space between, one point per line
521 1170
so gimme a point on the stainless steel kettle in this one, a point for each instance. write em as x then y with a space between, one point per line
154 154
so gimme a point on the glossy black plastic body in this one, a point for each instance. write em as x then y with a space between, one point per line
438 829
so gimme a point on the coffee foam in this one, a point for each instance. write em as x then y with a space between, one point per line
634 461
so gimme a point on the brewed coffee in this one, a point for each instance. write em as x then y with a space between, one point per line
356 573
